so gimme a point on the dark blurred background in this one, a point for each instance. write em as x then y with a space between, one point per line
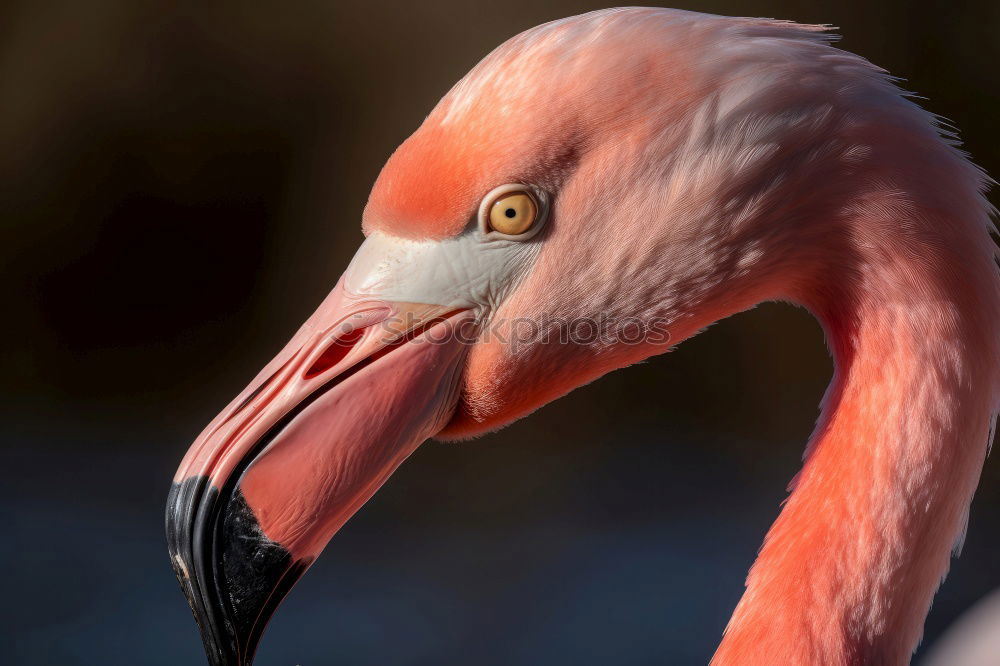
182 183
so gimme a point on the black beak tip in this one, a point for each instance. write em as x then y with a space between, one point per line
233 576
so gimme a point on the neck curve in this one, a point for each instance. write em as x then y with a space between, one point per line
847 572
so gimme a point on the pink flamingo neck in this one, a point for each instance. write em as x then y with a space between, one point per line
847 572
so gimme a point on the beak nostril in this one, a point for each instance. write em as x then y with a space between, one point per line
335 352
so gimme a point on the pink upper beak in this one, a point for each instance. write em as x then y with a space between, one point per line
274 476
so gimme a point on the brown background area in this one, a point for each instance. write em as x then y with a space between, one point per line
182 182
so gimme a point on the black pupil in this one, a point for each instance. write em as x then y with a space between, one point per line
510 212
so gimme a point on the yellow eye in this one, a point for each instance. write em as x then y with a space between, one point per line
513 213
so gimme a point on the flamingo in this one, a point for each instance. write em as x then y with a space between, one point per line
647 172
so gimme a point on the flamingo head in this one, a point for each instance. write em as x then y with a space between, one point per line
594 191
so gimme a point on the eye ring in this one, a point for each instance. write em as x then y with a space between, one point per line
535 202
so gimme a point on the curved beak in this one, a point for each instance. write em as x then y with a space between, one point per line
279 471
